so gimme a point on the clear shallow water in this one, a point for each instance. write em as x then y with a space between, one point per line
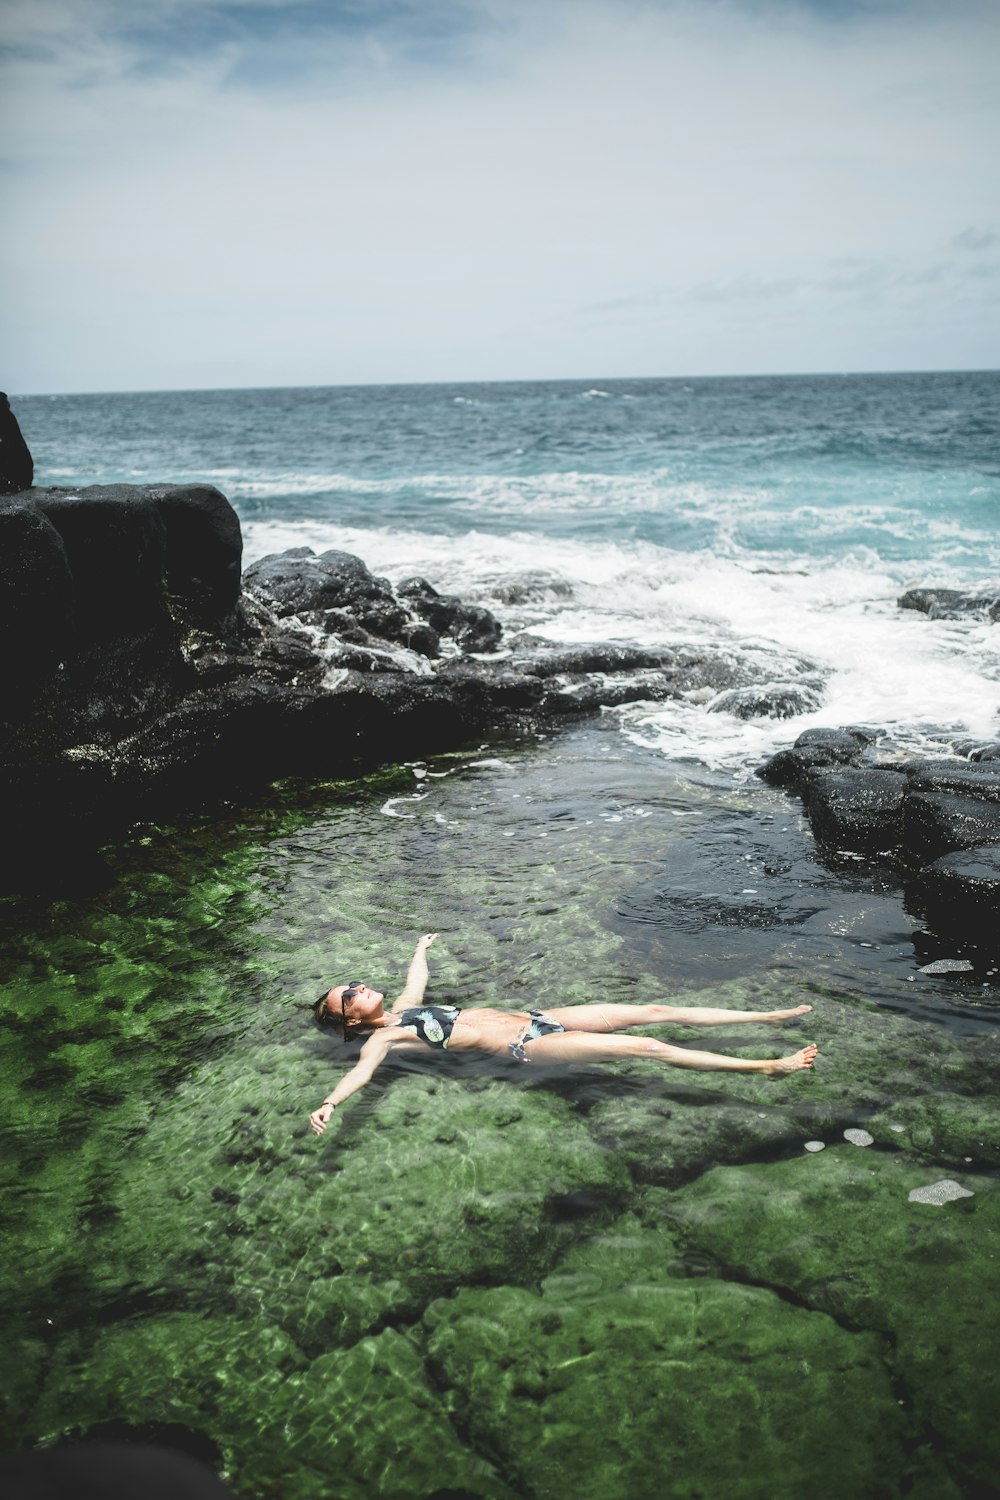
183 1251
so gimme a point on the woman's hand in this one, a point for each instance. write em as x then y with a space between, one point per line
320 1118
426 940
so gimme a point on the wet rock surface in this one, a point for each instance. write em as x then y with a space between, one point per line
952 604
935 822
144 675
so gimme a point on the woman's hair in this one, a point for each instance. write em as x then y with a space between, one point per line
336 1020
324 1016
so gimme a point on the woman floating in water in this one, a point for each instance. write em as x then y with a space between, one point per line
576 1033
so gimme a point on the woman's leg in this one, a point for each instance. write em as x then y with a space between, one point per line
577 1046
606 1018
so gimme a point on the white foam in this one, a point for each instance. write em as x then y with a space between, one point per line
796 621
939 1193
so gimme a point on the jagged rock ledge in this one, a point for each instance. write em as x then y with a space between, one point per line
936 820
142 674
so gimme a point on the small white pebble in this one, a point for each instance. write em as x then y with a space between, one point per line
815 1145
940 1192
966 1158
859 1138
898 1128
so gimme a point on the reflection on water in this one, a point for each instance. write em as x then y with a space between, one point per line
461 1258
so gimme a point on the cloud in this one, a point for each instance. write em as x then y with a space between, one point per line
975 239
265 193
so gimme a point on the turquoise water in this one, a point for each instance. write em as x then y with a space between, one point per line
576 1282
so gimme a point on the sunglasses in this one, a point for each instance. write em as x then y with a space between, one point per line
348 993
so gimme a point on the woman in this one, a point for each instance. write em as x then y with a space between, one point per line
576 1033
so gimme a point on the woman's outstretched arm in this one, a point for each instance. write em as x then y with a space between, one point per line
416 975
372 1053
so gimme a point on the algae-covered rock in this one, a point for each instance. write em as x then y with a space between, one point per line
838 1232
179 1368
371 1422
945 1128
673 1135
420 1185
620 1382
353 1424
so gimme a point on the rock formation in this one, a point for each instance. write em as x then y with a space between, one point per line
936 820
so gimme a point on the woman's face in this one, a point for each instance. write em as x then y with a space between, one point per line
360 1004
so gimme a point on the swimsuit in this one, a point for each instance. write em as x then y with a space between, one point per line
433 1024
540 1026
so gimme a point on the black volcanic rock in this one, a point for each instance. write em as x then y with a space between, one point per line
857 808
16 466
936 823
37 599
951 604
958 895
813 750
936 819
299 582
473 628
767 700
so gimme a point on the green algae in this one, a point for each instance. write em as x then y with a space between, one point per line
945 1128
838 1232
331 1312
617 1379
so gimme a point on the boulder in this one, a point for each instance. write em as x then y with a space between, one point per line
37 599
298 582
813 750
856 808
935 823
979 779
959 894
16 466
116 546
767 700
951 604
473 628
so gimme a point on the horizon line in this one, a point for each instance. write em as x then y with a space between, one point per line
507 380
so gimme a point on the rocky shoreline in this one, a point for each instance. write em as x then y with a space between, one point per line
144 674
935 821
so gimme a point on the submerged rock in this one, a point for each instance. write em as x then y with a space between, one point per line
939 1193
768 700
568 1384
838 1233
960 893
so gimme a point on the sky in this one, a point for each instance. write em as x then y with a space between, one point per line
198 193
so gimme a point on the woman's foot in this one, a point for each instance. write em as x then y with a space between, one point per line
795 1062
783 1015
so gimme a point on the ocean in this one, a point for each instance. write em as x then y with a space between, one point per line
780 516
519 1284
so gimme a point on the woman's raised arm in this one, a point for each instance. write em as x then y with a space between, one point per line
372 1053
416 975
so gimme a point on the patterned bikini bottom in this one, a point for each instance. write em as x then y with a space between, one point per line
540 1026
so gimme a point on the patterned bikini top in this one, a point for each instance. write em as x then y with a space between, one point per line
433 1024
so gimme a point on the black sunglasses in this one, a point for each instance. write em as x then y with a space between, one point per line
348 992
